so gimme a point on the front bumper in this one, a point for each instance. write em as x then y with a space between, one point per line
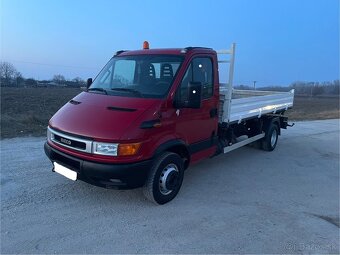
116 176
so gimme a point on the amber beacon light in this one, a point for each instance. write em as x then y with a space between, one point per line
145 45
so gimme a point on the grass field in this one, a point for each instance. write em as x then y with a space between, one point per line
314 108
26 111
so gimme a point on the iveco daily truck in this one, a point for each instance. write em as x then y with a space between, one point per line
151 113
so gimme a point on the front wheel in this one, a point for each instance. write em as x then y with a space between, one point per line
270 140
165 178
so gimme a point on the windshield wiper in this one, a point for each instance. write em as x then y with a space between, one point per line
129 90
97 89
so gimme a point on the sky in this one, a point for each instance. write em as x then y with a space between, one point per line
277 42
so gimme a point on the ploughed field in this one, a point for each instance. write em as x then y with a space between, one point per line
26 111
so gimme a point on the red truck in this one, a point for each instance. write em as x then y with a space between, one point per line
151 113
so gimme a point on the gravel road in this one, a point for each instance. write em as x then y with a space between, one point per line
247 201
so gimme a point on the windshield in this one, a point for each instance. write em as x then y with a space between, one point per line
148 76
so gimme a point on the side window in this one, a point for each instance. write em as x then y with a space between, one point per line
200 70
183 89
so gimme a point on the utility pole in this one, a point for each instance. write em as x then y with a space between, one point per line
254 85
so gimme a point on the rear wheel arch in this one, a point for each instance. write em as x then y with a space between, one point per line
269 121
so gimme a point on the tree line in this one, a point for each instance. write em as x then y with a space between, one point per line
11 77
303 88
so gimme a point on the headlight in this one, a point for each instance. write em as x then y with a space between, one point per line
115 149
50 136
109 149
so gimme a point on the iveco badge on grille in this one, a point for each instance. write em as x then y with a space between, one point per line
64 140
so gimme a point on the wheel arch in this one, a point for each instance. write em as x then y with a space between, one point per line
177 146
272 120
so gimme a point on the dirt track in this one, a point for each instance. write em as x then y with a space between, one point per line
248 201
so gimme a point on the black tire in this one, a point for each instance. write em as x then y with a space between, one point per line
169 167
272 133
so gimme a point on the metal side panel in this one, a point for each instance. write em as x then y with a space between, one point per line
255 105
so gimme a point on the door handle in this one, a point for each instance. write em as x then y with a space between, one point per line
213 112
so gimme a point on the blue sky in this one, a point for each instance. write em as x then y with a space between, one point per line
278 42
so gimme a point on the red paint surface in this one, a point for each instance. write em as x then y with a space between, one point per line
92 119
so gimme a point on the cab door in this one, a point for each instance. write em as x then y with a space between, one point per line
197 127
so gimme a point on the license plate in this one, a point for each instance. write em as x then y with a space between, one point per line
68 173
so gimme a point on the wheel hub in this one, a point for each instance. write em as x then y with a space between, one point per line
168 179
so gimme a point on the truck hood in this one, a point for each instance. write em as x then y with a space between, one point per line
100 116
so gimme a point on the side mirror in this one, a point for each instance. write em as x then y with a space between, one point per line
194 98
89 82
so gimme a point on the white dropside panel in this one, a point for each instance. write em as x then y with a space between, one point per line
249 104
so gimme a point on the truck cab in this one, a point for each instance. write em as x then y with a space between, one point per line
144 119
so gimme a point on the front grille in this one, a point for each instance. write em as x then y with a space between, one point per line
69 141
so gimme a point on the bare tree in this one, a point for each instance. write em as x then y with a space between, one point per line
59 79
8 74
19 80
78 81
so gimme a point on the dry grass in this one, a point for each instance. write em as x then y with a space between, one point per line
26 111
314 108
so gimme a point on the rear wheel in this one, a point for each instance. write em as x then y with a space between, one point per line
165 178
270 140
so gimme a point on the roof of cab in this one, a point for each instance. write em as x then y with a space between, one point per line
169 51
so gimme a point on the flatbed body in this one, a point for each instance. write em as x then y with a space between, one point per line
247 104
